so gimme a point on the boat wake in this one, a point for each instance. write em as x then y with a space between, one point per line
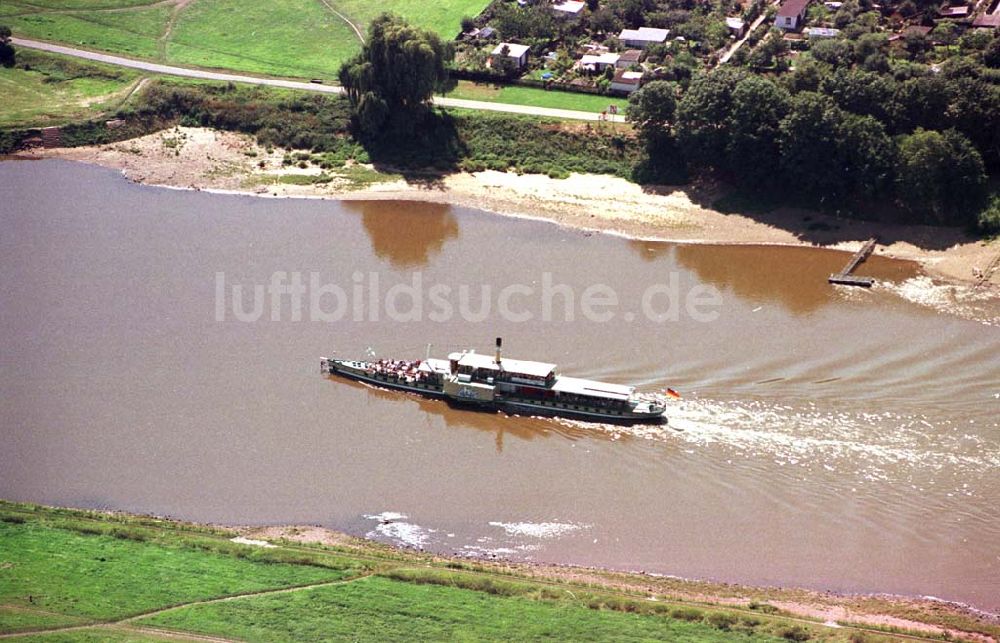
875 446
973 304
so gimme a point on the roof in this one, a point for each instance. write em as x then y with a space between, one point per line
630 55
569 6
576 386
645 34
954 12
917 30
514 50
486 32
992 20
734 23
822 32
627 77
518 366
602 59
791 8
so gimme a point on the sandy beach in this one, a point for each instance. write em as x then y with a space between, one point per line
204 159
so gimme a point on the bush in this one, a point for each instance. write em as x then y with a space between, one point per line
989 218
721 620
795 633
687 614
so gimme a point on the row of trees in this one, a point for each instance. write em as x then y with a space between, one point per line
759 135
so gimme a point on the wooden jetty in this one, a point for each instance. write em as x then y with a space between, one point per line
845 278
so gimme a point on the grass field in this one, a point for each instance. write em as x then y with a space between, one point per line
298 38
128 578
536 97
56 90
134 33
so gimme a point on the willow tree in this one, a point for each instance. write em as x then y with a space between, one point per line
391 82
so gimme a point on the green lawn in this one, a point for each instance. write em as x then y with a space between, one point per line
56 90
380 609
134 33
299 38
536 97
61 567
282 37
102 577
441 16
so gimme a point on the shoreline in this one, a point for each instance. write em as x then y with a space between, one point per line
874 613
229 163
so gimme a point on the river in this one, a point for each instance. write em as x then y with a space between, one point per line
830 438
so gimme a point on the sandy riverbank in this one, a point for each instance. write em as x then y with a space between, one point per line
205 159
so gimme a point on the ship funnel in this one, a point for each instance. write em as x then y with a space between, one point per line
499 345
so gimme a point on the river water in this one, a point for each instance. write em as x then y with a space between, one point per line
830 438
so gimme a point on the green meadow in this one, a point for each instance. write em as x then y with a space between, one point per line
296 38
68 575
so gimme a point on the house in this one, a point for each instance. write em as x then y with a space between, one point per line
791 14
626 81
960 11
643 36
736 26
599 62
822 32
568 8
987 21
518 53
628 58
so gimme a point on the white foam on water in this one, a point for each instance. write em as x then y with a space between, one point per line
393 526
867 444
538 529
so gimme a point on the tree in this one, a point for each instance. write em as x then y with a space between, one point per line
860 91
758 107
394 77
703 117
940 175
468 24
991 55
7 53
653 107
808 139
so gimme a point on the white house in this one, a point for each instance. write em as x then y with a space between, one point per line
736 26
568 8
600 62
791 14
643 36
626 81
519 53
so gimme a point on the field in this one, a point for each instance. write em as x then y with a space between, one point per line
536 97
116 577
297 38
56 90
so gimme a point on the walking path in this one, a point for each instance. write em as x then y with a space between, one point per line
190 72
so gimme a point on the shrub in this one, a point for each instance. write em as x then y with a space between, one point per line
687 614
721 620
795 633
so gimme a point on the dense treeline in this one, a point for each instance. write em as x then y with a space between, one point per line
843 138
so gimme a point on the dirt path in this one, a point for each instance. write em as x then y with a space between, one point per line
128 622
353 26
168 30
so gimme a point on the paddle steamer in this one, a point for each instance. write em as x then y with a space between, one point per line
511 385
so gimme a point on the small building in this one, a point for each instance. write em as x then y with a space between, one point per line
485 33
791 14
628 58
960 11
626 81
569 8
599 62
987 21
736 26
822 32
643 36
518 53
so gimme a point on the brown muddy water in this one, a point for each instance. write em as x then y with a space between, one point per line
830 438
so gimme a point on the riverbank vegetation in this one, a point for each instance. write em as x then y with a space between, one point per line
42 89
132 577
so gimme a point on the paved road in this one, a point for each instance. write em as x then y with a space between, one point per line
188 72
